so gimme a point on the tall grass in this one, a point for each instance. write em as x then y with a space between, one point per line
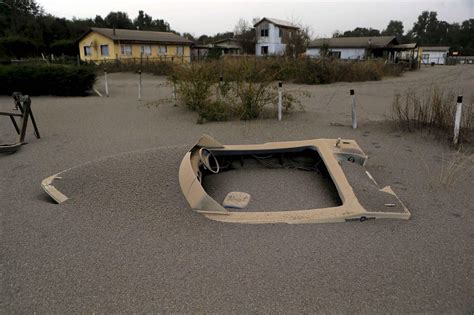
433 109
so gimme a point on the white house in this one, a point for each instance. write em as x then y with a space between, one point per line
272 36
354 47
437 55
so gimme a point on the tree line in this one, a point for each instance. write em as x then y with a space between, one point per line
27 30
426 31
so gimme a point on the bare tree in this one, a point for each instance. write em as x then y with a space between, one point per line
299 41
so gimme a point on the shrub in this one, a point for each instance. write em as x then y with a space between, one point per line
194 83
46 79
322 71
433 109
17 47
64 47
248 86
155 67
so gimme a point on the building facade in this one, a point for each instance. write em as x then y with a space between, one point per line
104 44
272 36
438 55
354 47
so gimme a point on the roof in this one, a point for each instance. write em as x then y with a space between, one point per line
228 46
226 40
405 46
278 22
435 48
352 42
228 43
139 36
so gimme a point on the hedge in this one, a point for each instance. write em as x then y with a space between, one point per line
46 79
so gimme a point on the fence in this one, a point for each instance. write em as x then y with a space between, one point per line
455 60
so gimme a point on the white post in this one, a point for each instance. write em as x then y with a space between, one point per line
106 83
354 115
457 120
174 94
139 85
219 96
280 84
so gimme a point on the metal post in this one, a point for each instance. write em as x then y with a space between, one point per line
280 84
354 114
457 121
106 83
139 85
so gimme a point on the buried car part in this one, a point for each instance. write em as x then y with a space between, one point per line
341 160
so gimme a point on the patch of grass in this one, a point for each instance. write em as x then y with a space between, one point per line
452 169
433 109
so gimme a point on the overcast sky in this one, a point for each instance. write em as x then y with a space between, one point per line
324 17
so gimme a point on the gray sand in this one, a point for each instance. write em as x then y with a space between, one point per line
128 241
274 189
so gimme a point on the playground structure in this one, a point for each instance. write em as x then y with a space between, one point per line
23 104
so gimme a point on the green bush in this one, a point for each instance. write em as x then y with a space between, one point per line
46 79
64 47
17 47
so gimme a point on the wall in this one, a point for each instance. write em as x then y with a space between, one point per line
438 57
346 53
97 40
273 40
170 55
115 52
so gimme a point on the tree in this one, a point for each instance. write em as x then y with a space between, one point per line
394 28
361 31
118 20
242 27
99 21
426 29
298 41
161 25
189 36
244 32
143 21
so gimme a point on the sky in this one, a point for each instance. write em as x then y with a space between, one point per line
323 17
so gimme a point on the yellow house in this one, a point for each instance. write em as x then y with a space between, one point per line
103 44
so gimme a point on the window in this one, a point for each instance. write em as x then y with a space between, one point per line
264 32
104 50
179 50
126 50
335 54
162 50
264 50
87 51
280 32
145 50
